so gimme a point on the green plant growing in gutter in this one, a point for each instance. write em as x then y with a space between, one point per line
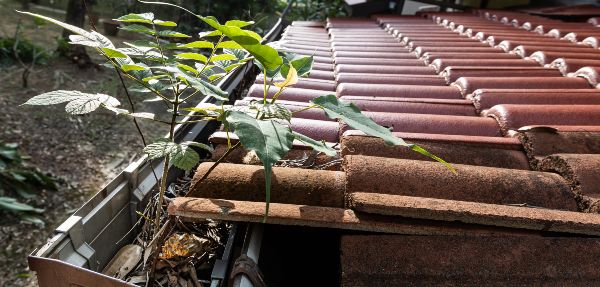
179 74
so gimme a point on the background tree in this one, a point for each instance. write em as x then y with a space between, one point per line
76 11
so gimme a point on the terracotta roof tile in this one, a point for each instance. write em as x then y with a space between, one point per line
405 260
478 89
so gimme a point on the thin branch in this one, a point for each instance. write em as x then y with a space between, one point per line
223 157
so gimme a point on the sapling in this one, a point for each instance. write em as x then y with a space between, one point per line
181 73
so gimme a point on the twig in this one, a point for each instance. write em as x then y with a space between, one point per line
223 157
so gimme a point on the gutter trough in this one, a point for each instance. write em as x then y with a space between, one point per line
82 245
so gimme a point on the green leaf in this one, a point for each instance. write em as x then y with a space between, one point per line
351 115
229 45
424 152
112 53
216 76
11 204
197 45
209 34
188 68
222 57
303 66
182 156
136 28
98 38
274 110
201 85
266 55
123 112
172 34
137 18
192 56
270 73
231 67
78 102
270 140
165 23
132 67
35 220
319 146
239 23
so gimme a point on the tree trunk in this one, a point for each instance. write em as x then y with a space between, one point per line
76 16
25 5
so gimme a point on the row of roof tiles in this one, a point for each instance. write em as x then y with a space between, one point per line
481 91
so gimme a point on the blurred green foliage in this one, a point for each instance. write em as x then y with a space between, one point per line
20 181
24 49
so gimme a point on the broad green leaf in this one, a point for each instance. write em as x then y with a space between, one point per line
319 146
112 53
231 67
274 110
136 28
222 57
192 56
160 148
90 103
351 115
239 23
164 23
198 45
53 98
209 34
182 156
270 140
123 112
229 45
216 76
78 102
132 67
201 85
172 34
303 66
291 79
80 40
251 41
188 68
137 18
206 109
93 36
270 73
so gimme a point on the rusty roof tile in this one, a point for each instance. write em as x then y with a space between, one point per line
581 170
469 84
413 178
440 64
477 213
470 150
542 142
513 117
414 106
404 260
484 99
191 209
397 91
395 79
384 69
289 185
453 73
435 124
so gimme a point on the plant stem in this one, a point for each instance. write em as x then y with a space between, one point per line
223 157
